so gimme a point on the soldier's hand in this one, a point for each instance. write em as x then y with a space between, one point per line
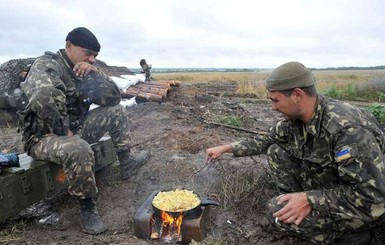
69 133
215 152
296 208
82 69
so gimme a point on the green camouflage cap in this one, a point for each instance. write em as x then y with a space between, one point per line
288 76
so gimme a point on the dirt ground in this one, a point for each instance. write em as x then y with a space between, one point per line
177 134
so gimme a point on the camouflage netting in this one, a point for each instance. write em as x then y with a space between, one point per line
10 72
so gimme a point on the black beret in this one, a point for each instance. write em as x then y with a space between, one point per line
84 38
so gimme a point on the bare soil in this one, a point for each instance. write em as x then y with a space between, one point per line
176 134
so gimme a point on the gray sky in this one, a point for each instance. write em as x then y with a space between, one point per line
203 33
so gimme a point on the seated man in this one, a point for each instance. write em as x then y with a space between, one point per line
57 125
326 158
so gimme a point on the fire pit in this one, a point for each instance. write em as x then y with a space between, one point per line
151 224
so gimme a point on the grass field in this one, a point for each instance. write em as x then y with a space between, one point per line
355 85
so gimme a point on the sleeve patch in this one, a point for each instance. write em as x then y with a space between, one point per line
343 154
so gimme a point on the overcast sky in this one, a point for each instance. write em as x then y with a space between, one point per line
203 33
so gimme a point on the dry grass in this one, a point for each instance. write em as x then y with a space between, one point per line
361 85
340 79
212 76
243 190
11 232
366 84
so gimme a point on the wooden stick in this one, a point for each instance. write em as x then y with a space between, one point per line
170 82
237 128
151 87
147 96
205 166
154 84
160 91
143 90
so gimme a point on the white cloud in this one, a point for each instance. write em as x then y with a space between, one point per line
201 33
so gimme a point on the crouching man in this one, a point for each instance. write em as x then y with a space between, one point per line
326 158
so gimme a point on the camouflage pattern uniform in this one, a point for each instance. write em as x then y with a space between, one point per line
58 102
146 69
337 160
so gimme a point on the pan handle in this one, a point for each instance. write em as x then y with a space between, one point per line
205 202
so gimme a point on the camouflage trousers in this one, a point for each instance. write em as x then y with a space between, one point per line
74 153
317 227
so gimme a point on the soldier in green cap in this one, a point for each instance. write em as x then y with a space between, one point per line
326 158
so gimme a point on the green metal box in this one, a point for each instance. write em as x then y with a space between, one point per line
35 180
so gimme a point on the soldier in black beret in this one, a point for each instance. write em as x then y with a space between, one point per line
326 158
58 125
83 37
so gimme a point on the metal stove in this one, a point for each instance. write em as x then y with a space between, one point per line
192 228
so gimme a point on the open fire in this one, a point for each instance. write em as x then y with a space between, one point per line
166 227
170 227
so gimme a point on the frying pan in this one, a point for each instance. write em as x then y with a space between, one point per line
190 213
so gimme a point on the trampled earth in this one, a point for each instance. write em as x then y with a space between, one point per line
177 133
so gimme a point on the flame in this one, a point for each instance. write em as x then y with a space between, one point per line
178 222
170 221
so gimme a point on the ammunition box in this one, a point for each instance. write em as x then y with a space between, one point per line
35 180
4 104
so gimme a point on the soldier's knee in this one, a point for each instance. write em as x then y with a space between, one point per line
120 109
79 149
80 158
117 111
272 207
274 153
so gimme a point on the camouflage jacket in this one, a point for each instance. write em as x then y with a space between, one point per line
58 100
341 157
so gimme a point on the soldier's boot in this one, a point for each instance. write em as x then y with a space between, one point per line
90 221
356 238
129 165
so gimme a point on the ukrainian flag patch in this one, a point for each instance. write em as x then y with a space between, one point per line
343 154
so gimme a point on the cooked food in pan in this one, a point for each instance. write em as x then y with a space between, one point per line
176 201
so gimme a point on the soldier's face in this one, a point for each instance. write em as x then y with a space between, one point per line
284 104
79 54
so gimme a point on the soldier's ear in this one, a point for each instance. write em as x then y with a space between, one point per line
298 94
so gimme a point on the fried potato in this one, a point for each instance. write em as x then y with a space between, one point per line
176 201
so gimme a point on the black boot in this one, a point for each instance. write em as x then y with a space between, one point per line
129 165
363 237
90 220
